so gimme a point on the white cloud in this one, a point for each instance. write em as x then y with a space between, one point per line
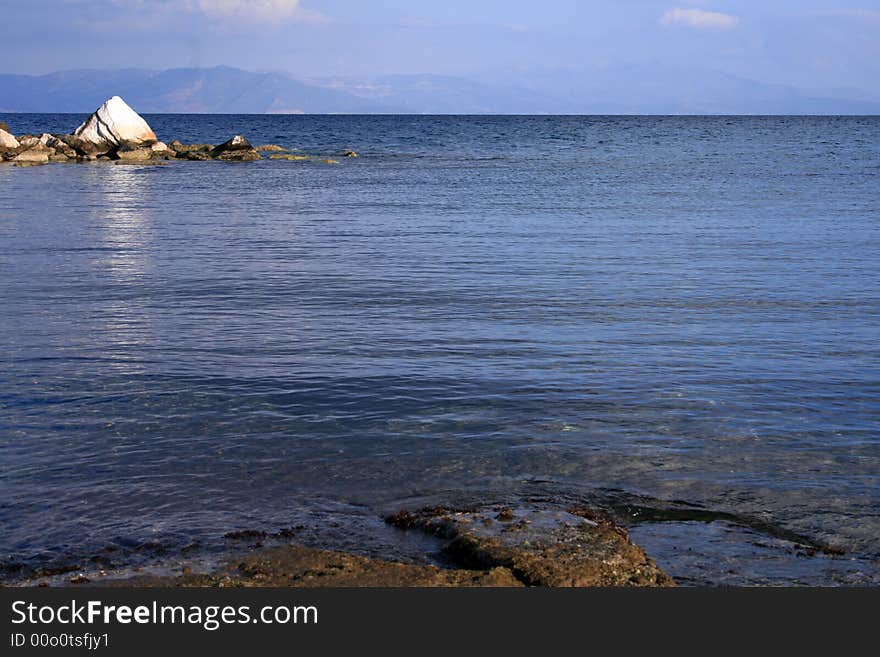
699 19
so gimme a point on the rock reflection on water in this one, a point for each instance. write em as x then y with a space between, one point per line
124 219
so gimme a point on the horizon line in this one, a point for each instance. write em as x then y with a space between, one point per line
467 115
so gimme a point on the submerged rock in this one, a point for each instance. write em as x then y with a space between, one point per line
299 566
272 148
541 546
532 544
292 158
114 124
348 153
237 149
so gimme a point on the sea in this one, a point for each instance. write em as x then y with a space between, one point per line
675 317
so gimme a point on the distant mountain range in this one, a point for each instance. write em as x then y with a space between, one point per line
184 90
625 89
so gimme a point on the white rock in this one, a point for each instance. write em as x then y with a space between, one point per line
7 141
113 124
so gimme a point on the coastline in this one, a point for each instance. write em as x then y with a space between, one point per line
488 546
540 541
117 134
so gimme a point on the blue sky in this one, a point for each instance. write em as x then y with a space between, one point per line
819 46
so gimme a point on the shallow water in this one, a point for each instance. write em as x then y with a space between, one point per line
683 308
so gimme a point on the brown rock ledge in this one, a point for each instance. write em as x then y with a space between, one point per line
296 566
541 547
488 546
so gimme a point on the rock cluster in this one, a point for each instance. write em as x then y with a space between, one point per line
532 545
115 132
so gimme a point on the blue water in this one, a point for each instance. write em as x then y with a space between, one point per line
681 308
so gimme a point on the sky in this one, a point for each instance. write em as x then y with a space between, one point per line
819 46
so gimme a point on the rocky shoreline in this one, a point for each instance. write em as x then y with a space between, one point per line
116 133
494 545
541 539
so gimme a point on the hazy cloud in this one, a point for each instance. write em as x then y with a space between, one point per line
698 18
255 11
259 10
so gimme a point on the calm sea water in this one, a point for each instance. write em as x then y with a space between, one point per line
679 308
